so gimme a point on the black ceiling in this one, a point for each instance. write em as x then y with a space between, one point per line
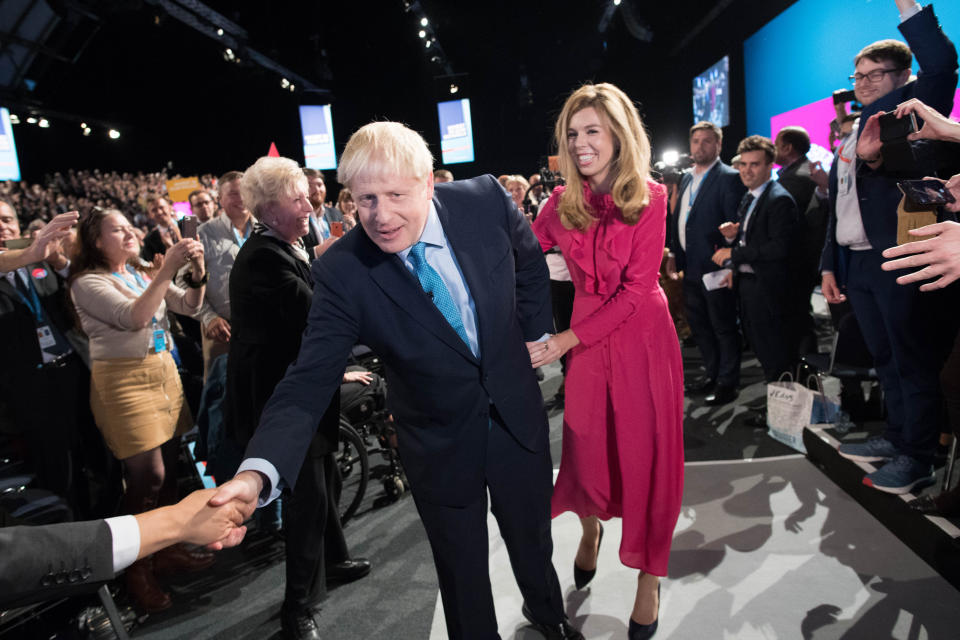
175 99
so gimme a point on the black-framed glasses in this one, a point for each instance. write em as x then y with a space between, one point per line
873 76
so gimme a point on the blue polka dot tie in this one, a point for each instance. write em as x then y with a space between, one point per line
433 285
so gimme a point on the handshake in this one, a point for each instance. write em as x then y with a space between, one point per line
210 517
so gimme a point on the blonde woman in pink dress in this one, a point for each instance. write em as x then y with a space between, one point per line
623 421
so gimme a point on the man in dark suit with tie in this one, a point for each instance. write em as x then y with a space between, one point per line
708 197
320 236
450 288
759 257
897 322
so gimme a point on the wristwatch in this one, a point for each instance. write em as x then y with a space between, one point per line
194 284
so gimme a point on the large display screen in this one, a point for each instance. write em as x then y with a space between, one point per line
9 165
711 94
456 131
316 124
796 61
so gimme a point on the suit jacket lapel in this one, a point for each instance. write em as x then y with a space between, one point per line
705 186
464 238
403 288
758 211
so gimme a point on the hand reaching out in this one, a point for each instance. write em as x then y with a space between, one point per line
935 125
938 256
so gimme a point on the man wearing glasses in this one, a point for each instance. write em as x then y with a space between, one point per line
863 222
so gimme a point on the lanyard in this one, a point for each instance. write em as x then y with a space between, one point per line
34 302
138 286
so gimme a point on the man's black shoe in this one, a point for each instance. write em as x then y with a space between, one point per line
300 626
557 631
703 384
926 505
721 395
348 570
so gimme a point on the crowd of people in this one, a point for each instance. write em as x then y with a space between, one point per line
243 324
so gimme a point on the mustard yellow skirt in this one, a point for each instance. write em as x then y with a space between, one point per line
137 403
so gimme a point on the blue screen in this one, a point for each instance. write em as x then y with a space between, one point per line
316 123
711 94
806 53
456 131
9 165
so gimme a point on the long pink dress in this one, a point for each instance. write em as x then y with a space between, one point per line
623 422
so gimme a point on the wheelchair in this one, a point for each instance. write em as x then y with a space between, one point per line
366 429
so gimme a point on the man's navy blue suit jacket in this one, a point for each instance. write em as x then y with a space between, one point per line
441 396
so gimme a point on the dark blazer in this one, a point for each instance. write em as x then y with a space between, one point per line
53 561
330 214
935 85
768 242
270 295
716 202
441 396
797 181
152 245
19 348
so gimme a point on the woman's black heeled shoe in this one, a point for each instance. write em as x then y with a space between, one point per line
639 631
582 577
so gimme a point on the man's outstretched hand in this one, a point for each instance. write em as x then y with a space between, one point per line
242 491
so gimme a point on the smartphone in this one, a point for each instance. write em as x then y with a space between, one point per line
18 243
894 128
925 193
190 227
842 96
336 229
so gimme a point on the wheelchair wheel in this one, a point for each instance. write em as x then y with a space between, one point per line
354 467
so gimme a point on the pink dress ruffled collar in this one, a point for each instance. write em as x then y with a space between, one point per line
595 251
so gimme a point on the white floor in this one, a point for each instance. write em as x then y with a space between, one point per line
764 549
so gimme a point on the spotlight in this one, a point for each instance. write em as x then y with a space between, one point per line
424 22
428 43
228 55
422 34
454 88
114 134
83 125
86 131
43 123
671 157
435 59
220 32
293 87
284 83
616 3
14 118
31 120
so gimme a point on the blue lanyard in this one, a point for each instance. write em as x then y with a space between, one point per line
34 302
694 192
141 284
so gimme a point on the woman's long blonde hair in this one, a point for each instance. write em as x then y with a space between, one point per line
630 165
